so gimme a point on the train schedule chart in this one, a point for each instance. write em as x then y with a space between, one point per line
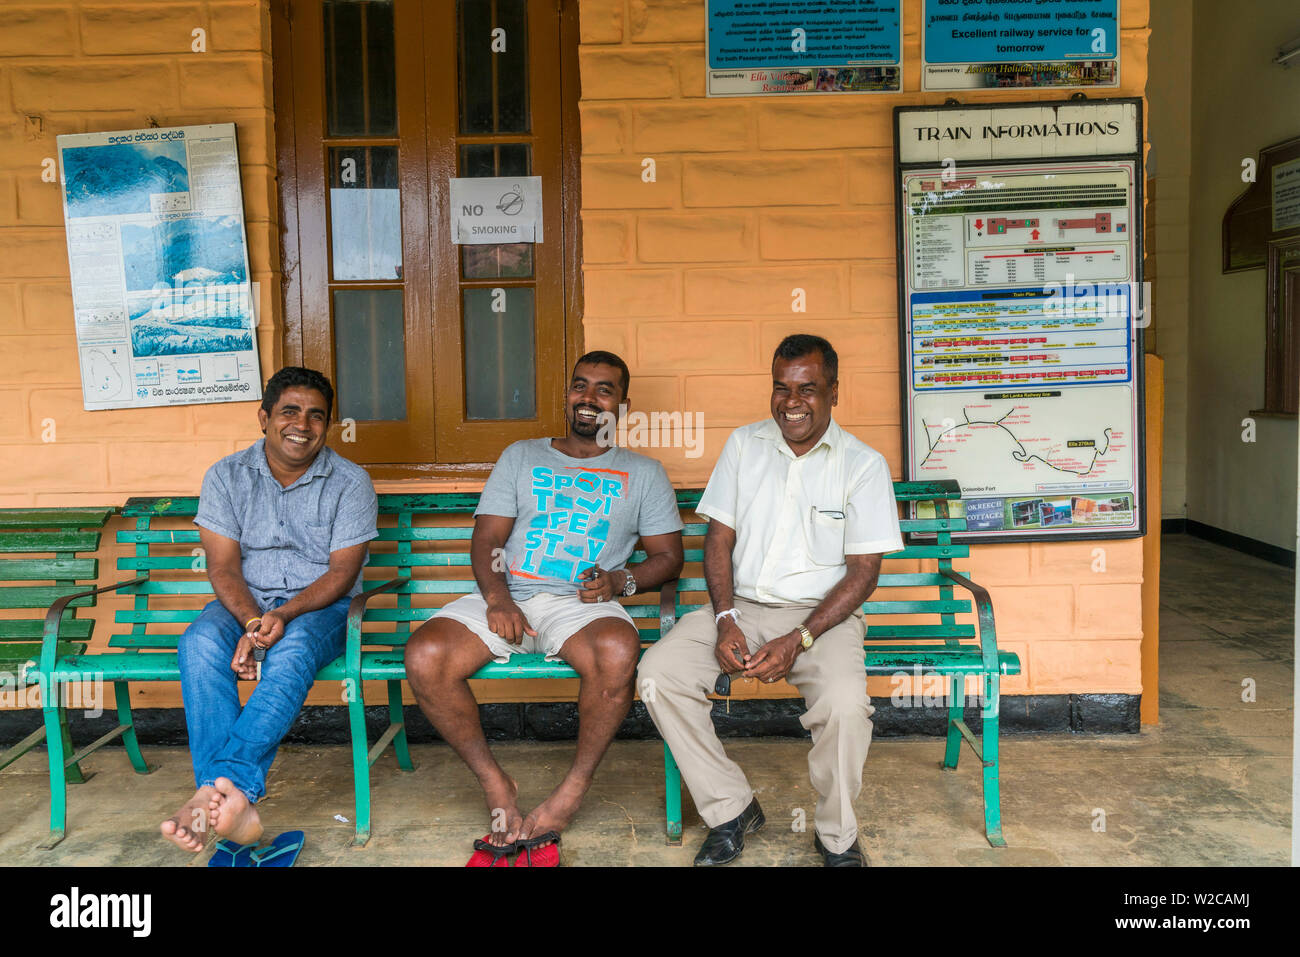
1019 236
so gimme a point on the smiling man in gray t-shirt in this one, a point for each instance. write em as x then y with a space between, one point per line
556 523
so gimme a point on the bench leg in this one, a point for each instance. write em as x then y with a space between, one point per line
989 747
74 773
59 745
122 692
673 797
396 717
360 762
22 747
955 709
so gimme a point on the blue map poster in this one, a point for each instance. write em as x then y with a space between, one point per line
162 302
981 44
763 47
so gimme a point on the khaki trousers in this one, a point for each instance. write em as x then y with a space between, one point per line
679 670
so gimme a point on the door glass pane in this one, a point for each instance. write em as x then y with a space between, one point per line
369 354
496 159
500 354
493 57
360 83
365 213
502 260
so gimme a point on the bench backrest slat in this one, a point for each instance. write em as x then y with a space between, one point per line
45 554
48 569
430 532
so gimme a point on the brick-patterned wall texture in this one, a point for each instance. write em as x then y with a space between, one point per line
70 67
692 276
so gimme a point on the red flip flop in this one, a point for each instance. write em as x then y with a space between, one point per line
548 851
487 854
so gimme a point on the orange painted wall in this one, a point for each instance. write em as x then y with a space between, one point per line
82 67
689 277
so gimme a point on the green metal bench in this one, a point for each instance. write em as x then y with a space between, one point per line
440 550
41 559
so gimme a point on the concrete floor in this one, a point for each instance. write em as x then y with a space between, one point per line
1210 785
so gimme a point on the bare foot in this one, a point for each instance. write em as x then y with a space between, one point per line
188 827
233 816
555 813
502 797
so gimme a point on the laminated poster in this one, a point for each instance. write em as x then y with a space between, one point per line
161 296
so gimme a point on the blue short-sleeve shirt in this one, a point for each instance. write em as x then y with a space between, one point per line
286 535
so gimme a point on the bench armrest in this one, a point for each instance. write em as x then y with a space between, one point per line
667 606
984 613
357 611
50 638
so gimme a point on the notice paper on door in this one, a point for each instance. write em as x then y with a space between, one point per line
496 209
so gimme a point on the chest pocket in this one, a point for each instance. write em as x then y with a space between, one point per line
825 537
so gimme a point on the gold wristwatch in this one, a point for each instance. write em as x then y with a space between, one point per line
807 639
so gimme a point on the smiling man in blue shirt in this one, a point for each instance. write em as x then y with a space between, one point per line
284 525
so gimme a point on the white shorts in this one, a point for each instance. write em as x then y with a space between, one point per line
555 618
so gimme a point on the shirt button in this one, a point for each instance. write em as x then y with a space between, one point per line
282 523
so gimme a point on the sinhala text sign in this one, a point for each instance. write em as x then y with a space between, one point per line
1021 310
763 47
974 44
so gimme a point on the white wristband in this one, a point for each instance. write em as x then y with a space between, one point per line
731 613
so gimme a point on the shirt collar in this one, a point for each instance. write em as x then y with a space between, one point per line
254 457
831 438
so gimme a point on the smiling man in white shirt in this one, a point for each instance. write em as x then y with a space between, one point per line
800 514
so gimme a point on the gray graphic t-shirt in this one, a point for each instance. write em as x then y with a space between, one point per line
572 513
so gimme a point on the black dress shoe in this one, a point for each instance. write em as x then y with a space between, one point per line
725 842
850 857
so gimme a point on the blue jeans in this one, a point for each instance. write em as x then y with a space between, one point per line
239 742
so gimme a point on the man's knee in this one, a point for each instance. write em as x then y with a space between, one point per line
430 654
204 640
844 701
648 668
615 649
660 670
288 657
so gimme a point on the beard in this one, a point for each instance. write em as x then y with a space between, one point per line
581 426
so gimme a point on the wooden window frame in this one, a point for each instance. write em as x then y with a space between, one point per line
1282 329
302 198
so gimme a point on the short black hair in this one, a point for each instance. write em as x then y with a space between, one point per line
802 344
600 357
296 376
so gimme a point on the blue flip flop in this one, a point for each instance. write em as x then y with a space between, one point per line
281 852
230 854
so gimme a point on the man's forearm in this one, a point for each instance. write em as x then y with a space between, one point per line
233 593
491 579
324 591
717 570
843 600
654 571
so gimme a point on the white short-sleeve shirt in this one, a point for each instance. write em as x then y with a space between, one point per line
797 517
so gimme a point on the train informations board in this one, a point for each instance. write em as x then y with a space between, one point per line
1021 312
